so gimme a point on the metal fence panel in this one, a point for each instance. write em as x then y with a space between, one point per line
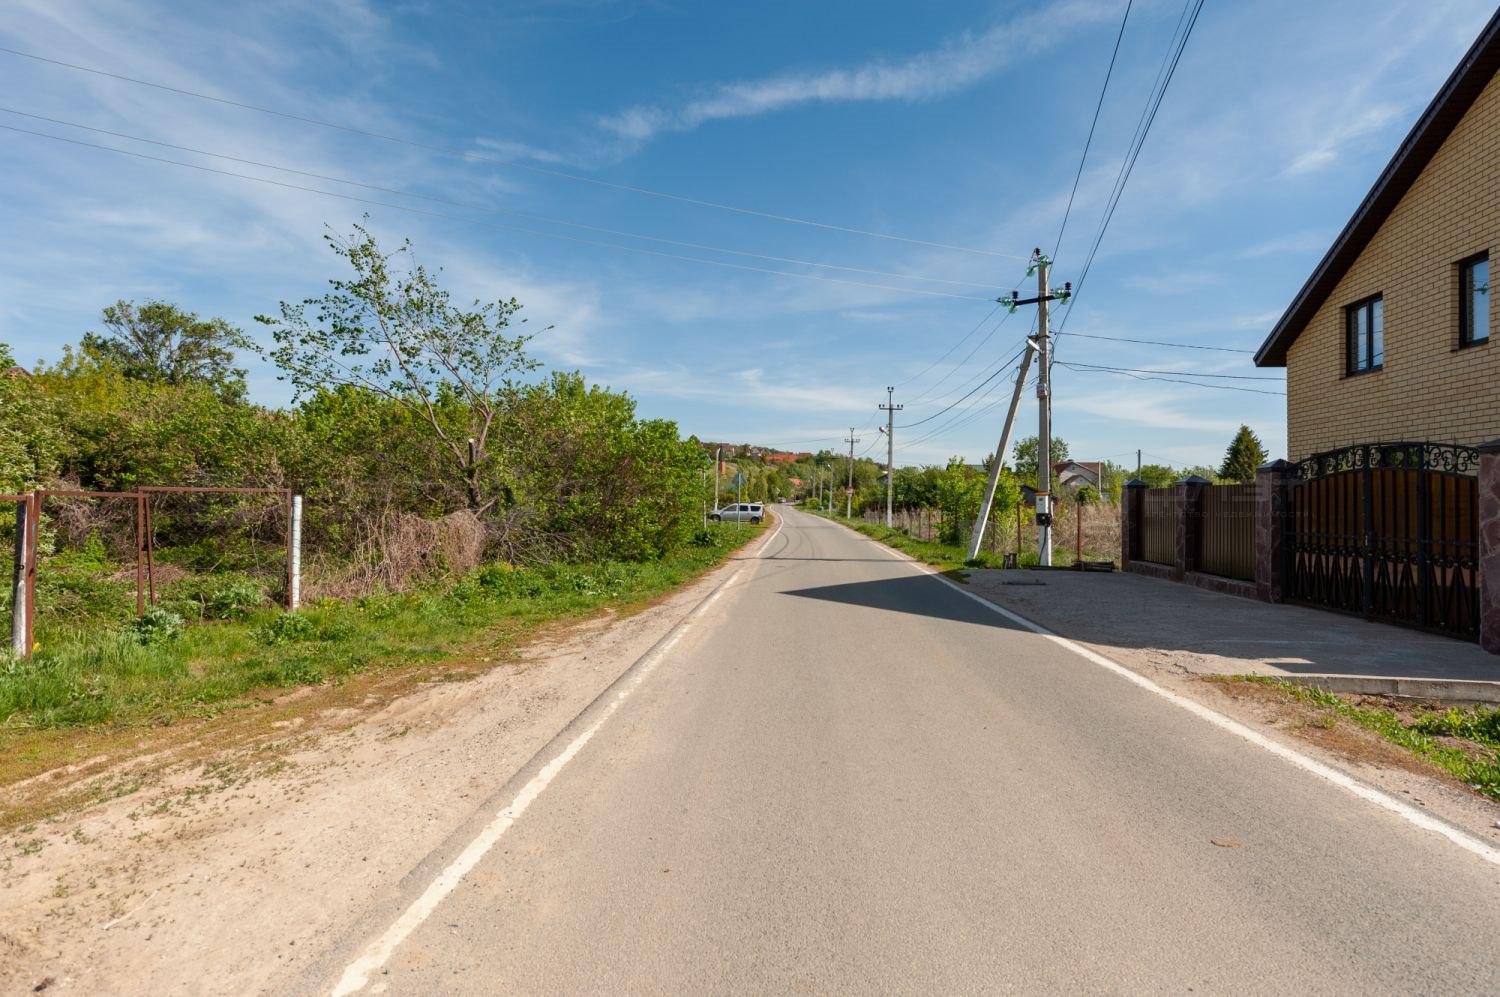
1227 531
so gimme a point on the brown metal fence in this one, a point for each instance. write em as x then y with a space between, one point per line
1159 526
1227 531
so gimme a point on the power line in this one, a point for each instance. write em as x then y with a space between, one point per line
960 364
1172 380
996 373
512 228
473 206
1157 342
1092 125
1182 373
1143 129
965 339
471 156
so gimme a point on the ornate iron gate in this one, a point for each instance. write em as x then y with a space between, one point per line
1389 531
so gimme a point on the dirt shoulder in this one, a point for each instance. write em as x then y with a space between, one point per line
216 860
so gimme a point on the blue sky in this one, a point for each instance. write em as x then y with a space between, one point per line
952 130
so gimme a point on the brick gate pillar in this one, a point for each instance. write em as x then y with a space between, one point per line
1186 503
1272 495
1132 515
1489 546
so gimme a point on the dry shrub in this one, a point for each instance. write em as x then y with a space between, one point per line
399 551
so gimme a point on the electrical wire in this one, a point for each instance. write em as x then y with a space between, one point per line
491 209
1171 380
960 364
996 373
471 156
1092 125
965 339
1143 129
1157 342
1182 373
512 228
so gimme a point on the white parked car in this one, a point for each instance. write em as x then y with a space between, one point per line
742 512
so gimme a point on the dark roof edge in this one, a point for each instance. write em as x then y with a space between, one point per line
1437 122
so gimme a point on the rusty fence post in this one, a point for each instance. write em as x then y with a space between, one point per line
1489 546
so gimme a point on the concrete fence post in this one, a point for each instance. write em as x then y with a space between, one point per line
1132 522
1489 546
1273 483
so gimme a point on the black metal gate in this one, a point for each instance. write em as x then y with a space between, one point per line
1389 531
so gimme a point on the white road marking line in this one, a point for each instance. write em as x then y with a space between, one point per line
357 976
1410 813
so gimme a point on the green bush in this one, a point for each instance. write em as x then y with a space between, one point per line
286 628
157 625
222 597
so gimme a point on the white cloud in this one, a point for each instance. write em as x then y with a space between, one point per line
953 66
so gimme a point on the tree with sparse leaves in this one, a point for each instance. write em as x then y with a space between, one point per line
394 331
1244 455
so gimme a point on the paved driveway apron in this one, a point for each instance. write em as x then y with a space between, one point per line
847 777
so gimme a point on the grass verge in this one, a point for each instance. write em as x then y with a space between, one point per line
138 677
1465 743
951 559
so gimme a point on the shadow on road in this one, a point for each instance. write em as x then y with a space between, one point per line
917 595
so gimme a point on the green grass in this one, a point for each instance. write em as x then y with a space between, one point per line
950 558
95 668
1479 726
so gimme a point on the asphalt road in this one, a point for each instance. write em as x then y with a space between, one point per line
846 777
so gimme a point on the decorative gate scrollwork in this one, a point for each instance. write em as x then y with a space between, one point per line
1389 531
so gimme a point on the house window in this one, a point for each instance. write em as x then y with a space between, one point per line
1474 300
1366 325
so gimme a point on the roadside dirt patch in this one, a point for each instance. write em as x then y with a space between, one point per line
210 857
1337 735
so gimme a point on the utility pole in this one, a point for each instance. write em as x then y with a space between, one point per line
1044 422
976 535
890 408
849 492
1040 265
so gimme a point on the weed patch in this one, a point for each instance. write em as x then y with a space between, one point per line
1474 759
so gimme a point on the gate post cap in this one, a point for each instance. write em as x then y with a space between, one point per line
1493 446
1136 483
1277 465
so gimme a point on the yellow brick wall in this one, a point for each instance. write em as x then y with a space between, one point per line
1428 389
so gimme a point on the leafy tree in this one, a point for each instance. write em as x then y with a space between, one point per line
393 330
31 440
1026 456
1158 475
1244 455
160 342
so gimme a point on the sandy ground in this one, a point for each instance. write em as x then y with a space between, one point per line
222 873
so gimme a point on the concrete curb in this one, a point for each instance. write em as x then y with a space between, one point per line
1459 692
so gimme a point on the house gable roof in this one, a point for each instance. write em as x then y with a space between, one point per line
1472 75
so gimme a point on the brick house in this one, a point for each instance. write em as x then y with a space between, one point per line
1393 335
